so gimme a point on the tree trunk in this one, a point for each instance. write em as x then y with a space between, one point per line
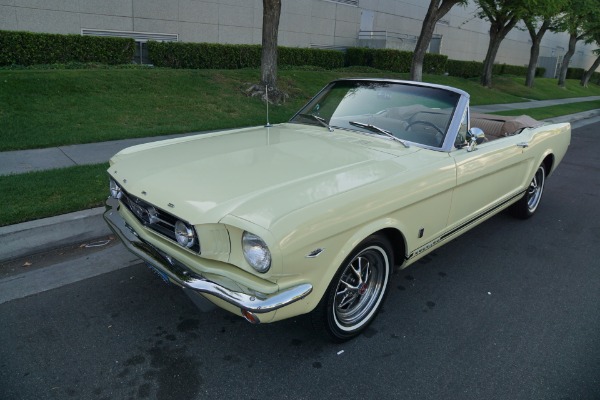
588 74
437 9
416 67
498 32
562 77
490 57
270 29
534 53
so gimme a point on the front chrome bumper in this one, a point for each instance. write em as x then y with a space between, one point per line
185 278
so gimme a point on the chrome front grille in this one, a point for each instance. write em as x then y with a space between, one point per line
152 217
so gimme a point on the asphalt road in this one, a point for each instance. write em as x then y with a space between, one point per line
511 310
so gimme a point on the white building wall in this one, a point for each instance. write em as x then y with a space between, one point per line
319 23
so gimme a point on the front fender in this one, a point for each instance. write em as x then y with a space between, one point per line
319 271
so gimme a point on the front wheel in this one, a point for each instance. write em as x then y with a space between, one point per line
526 207
356 292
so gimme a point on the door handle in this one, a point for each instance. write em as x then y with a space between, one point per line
523 144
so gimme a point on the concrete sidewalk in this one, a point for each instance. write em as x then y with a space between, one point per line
38 236
18 162
532 104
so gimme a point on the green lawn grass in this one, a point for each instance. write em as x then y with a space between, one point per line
554 111
45 108
42 194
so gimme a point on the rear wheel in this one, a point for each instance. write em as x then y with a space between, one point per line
356 292
527 206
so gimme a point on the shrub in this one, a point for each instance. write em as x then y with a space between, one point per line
464 69
294 56
435 63
232 56
26 48
472 69
540 71
516 70
203 55
393 60
359 57
575 73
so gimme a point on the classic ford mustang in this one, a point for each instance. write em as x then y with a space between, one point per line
313 215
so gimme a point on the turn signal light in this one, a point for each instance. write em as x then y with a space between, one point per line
250 317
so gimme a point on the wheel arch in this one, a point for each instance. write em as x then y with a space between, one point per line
397 241
548 162
385 228
341 325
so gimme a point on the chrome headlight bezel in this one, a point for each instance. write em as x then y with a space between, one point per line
185 234
115 190
256 252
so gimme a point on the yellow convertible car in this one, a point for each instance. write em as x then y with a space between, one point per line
312 215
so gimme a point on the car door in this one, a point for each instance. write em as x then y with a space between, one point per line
487 178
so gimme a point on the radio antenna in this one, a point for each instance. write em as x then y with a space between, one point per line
268 125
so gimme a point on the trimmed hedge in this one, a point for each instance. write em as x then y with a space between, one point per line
464 69
294 56
516 70
540 72
575 73
203 55
235 56
473 69
26 48
393 60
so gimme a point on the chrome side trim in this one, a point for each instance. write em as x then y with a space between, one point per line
315 253
467 224
185 278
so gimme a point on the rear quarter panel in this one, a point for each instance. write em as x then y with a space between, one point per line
549 139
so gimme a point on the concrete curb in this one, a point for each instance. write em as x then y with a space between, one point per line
49 233
573 118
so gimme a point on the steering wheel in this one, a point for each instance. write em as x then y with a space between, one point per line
430 124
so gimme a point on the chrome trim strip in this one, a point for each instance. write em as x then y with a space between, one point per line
452 131
189 280
315 253
448 234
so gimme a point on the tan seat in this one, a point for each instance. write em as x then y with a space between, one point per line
498 126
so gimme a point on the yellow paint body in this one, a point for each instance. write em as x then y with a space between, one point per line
302 188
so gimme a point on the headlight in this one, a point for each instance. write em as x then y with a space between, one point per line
256 252
115 189
185 234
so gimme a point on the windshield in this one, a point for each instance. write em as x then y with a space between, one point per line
417 114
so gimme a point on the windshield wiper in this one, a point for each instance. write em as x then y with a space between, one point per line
320 120
377 129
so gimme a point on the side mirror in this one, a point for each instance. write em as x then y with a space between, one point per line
475 136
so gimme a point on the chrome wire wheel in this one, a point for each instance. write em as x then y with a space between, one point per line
535 189
360 288
526 206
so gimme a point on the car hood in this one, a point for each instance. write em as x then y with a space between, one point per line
257 174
